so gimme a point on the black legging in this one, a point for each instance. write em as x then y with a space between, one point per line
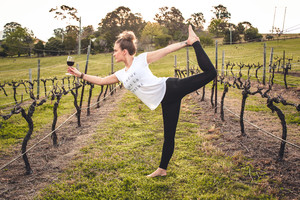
176 90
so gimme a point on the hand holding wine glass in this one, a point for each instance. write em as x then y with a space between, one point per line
70 62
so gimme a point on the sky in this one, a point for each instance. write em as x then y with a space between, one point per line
35 15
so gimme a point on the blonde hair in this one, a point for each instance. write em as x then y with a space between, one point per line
127 40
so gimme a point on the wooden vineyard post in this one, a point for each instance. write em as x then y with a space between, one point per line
223 62
264 71
216 80
83 84
112 86
285 70
30 78
112 64
175 66
271 60
187 62
38 79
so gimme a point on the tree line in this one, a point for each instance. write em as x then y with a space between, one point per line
169 26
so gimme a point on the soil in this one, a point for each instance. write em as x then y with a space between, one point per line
261 150
47 161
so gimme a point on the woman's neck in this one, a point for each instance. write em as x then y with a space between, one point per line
128 61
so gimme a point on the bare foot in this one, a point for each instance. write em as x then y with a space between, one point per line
192 36
158 172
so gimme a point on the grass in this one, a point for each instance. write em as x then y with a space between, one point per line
256 103
100 64
252 53
13 130
127 147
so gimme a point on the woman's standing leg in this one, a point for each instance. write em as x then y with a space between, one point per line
170 119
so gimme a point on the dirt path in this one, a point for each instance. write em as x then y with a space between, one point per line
261 149
48 162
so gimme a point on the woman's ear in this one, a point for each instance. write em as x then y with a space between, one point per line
125 52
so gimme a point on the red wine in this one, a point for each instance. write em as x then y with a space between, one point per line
70 63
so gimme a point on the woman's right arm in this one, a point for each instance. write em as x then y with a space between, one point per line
158 54
111 79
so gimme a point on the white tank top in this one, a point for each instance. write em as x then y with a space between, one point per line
140 81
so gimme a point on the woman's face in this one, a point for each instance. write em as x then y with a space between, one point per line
119 54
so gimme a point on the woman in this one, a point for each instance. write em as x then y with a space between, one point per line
137 77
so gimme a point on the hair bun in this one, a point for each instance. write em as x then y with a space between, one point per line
127 40
127 35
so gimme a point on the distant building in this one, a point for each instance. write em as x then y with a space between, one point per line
36 40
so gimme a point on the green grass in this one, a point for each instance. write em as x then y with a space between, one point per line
127 147
13 130
252 53
256 103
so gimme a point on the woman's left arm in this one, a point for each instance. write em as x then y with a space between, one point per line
160 53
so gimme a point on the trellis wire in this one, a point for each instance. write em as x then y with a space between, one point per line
254 125
262 130
13 160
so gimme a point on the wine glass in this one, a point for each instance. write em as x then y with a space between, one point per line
70 62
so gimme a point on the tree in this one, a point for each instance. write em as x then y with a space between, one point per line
3 50
221 12
70 13
150 31
173 20
119 20
252 34
72 31
39 48
206 39
86 36
88 32
235 36
85 42
217 27
162 40
59 33
19 41
242 26
64 12
152 34
10 27
54 46
69 43
197 21
100 45
29 39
